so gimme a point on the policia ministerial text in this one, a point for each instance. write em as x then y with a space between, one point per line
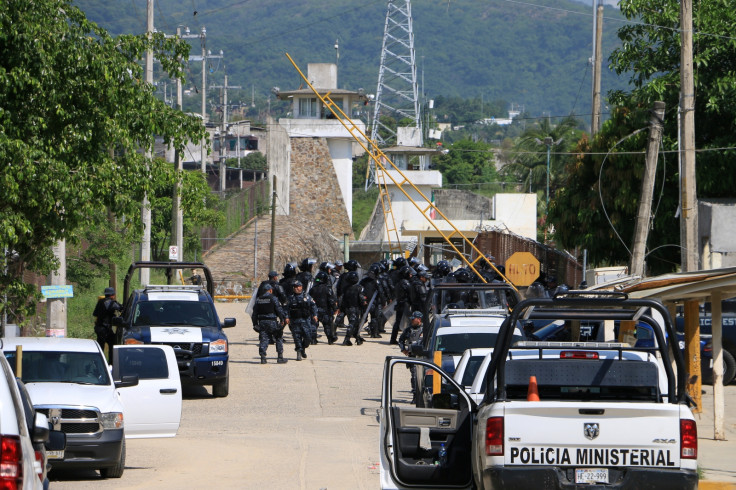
591 456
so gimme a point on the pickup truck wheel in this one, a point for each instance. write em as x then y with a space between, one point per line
117 470
729 367
221 388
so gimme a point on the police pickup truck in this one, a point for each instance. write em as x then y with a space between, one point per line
184 317
553 414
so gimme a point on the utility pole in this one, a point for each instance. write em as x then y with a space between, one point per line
688 200
56 319
177 211
223 131
595 123
647 191
203 149
273 226
145 273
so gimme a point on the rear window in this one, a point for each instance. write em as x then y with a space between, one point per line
457 343
87 368
144 363
471 369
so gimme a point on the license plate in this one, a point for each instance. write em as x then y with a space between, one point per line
55 454
591 475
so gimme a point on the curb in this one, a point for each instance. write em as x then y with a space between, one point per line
715 485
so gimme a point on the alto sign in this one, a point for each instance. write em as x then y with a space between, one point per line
522 268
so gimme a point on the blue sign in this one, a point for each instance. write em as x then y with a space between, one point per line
50 292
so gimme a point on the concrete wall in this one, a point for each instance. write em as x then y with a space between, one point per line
322 75
341 152
279 164
518 212
717 233
457 204
314 187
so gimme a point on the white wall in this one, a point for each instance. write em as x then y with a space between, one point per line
341 151
518 212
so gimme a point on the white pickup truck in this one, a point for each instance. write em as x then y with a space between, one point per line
607 414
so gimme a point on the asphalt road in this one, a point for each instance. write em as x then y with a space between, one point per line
302 425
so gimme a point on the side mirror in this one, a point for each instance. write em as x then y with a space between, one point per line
127 382
228 322
56 442
40 431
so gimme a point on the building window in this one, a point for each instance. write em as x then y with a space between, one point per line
308 107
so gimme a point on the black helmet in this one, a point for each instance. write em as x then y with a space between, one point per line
297 284
326 266
443 268
306 265
414 262
462 275
561 289
352 265
385 265
399 262
321 277
407 272
289 270
375 269
352 277
536 290
422 273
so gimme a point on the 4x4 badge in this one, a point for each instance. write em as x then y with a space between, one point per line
176 330
591 430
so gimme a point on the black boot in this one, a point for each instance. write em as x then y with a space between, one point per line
263 359
304 353
298 355
359 340
281 359
347 341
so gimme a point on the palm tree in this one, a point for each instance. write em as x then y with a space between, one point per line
529 157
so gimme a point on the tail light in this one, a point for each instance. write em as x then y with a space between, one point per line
11 464
688 439
38 464
494 436
578 354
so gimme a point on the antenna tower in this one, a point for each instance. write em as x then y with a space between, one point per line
397 94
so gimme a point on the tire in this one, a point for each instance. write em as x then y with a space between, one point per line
729 367
117 470
221 388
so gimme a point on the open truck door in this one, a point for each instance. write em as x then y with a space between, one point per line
413 437
152 408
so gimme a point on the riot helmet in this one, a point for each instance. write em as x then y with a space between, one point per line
321 277
352 265
306 265
443 268
399 262
352 278
289 270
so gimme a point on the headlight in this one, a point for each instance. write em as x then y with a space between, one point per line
218 347
112 420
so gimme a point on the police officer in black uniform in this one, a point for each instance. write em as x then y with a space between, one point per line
418 292
288 278
305 276
302 311
371 288
403 297
105 309
326 300
268 317
410 335
352 304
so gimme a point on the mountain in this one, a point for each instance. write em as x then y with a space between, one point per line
534 55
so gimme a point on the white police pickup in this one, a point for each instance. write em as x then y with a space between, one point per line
607 414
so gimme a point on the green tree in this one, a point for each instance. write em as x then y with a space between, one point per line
528 159
69 92
467 162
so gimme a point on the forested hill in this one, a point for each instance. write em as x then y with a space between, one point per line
534 54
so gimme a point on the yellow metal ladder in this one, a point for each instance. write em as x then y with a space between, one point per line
380 160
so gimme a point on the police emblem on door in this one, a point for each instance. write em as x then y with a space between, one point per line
591 430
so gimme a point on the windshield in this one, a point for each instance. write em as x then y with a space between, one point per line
62 367
472 299
196 313
457 343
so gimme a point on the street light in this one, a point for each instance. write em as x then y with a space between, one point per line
549 143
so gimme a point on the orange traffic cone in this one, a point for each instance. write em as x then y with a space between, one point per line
532 395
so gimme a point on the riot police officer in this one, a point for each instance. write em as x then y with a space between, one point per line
352 304
411 334
288 278
403 298
105 309
302 311
305 276
373 292
326 300
418 291
267 313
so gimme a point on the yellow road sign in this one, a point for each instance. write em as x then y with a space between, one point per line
522 268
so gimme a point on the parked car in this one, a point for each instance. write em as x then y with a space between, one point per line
70 382
21 431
